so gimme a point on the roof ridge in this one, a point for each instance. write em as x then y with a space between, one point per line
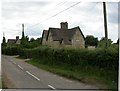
53 28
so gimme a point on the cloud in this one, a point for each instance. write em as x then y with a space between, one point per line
21 9
38 15
112 10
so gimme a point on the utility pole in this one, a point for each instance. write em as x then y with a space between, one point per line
105 23
23 31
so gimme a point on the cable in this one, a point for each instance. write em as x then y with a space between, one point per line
56 14
62 11
53 16
53 8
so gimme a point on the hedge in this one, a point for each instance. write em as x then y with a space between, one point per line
101 58
10 50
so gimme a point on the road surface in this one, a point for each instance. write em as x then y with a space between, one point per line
18 74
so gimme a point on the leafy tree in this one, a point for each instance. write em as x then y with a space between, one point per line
24 42
39 40
102 43
34 43
27 38
91 41
30 44
4 41
32 39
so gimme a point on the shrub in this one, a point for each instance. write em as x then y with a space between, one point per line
10 50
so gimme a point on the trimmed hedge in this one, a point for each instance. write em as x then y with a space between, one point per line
102 58
11 50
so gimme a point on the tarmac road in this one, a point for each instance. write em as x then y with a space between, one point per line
18 74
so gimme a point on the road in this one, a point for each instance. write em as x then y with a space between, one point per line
17 73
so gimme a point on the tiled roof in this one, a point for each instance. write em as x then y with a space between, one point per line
11 41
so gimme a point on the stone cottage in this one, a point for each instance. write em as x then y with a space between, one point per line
17 40
14 41
63 37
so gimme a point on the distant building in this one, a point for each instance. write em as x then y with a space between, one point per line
17 40
14 41
63 37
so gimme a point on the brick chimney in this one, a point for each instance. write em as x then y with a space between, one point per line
17 37
64 25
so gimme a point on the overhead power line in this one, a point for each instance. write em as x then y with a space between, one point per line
63 11
56 14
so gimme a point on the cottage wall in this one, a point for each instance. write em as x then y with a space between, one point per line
18 41
56 44
78 40
52 43
44 42
67 46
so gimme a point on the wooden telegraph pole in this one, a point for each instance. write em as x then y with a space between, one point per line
105 23
23 31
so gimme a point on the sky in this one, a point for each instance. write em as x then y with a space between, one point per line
39 15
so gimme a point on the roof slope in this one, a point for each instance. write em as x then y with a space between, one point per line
11 41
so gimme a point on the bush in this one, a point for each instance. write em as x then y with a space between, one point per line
14 50
101 58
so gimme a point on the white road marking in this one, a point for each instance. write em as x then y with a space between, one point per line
32 75
51 87
20 67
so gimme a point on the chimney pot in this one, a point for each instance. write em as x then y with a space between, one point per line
64 25
17 37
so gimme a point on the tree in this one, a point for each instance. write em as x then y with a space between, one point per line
32 39
102 43
91 41
27 38
39 40
4 41
24 42
34 43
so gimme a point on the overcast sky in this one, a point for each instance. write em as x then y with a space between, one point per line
39 15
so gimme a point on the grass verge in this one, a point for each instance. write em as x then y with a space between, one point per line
100 78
